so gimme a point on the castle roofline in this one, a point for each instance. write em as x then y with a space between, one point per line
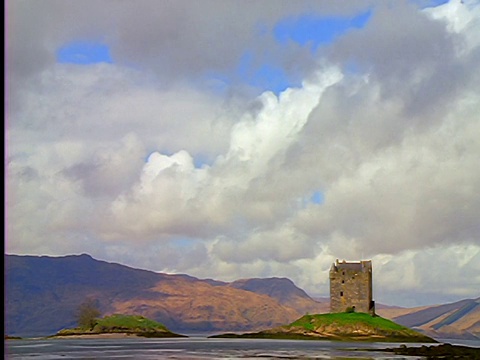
361 265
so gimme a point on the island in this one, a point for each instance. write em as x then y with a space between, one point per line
340 327
117 326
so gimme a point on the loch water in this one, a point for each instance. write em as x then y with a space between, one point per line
197 347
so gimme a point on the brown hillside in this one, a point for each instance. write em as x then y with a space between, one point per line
197 305
394 312
455 320
285 292
44 292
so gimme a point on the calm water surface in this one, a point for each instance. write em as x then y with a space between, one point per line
193 348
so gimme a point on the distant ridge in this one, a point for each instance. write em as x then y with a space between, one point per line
424 316
470 306
460 320
282 289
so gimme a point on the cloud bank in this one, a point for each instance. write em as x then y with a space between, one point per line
168 159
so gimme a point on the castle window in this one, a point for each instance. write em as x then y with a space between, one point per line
343 272
343 281
341 293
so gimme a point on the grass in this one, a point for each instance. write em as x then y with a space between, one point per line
310 322
340 327
129 322
359 326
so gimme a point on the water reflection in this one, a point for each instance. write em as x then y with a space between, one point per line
194 348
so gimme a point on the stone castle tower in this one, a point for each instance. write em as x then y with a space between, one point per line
351 287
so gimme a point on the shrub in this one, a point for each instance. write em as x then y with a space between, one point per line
87 314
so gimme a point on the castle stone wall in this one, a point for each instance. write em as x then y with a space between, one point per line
351 287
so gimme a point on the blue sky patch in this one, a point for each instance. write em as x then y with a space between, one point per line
84 53
422 4
317 30
306 30
272 78
184 242
263 76
201 161
318 197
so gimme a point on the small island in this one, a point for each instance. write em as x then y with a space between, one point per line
340 327
117 326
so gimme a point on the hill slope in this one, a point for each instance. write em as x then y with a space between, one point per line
43 293
460 319
285 292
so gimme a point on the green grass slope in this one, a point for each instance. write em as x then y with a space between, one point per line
342 327
125 324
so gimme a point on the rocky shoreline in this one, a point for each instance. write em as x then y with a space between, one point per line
116 335
96 336
441 351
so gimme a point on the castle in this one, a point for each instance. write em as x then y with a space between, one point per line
351 287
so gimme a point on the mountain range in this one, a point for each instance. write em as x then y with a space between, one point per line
42 295
458 320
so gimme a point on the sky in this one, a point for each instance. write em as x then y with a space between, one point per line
232 139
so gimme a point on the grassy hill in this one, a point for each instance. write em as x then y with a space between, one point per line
124 324
341 327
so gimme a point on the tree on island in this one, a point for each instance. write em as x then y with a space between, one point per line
87 314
